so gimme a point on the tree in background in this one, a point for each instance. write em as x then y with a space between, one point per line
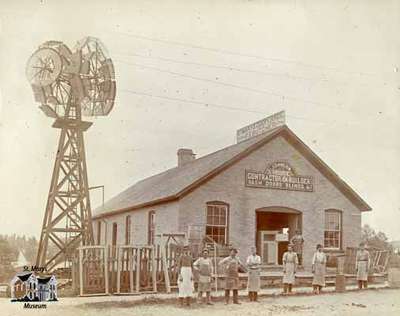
375 239
7 256
27 245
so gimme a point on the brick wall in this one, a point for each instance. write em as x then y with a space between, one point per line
166 222
229 187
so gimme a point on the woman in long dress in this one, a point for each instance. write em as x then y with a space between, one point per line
253 263
362 266
318 269
290 263
185 276
205 268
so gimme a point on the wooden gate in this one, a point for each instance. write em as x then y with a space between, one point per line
378 260
93 270
136 270
104 270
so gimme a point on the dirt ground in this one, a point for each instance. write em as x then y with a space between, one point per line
381 302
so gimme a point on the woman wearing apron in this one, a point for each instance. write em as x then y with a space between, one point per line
205 268
290 262
318 269
362 265
253 263
185 276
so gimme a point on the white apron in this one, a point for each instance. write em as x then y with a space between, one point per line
186 285
362 265
289 262
319 262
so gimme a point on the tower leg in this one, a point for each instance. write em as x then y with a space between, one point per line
67 222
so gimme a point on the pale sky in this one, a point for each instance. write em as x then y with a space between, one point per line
334 66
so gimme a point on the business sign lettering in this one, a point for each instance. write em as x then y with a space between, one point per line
260 127
279 175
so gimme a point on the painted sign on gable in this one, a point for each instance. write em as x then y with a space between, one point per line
279 175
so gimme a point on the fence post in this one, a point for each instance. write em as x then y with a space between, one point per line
81 271
340 283
131 264
154 268
216 268
118 270
105 257
137 270
165 267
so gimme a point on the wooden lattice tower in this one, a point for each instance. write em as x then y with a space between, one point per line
68 85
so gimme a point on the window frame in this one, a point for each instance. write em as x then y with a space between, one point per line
151 227
340 230
114 237
128 229
98 232
227 219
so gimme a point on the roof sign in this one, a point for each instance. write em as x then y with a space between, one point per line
260 127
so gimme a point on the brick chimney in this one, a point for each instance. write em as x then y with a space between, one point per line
185 155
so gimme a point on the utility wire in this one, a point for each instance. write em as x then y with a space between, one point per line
208 104
231 68
227 84
227 52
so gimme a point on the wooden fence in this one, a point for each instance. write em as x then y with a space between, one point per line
126 269
378 260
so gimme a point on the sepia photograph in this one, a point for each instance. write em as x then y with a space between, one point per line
199 157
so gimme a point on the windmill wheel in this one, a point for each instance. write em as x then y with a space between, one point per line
48 72
98 77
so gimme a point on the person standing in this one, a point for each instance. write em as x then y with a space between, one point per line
297 241
290 263
253 263
231 265
205 268
185 277
362 266
318 269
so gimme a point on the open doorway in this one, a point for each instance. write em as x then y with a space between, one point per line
275 227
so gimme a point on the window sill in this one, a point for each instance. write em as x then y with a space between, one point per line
334 250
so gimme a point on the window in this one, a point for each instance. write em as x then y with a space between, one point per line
114 234
98 232
127 230
151 227
217 222
114 239
333 229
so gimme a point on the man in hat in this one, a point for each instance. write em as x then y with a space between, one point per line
185 276
290 262
232 265
362 266
253 263
297 241
205 269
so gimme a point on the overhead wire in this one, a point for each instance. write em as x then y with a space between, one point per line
238 69
228 52
227 84
210 104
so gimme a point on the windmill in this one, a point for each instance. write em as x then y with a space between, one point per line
68 85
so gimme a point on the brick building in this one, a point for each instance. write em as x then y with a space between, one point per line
256 192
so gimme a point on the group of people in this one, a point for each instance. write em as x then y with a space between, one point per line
232 265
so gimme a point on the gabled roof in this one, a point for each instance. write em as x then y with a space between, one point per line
177 182
44 280
24 277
